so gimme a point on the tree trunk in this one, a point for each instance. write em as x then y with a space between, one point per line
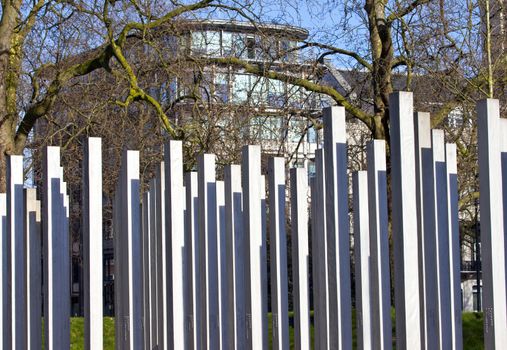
6 148
10 67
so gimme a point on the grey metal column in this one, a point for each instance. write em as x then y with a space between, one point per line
4 334
403 184
154 247
364 290
491 133
315 265
428 300
235 257
134 249
210 337
379 246
300 257
256 329
16 258
454 245
321 253
56 254
175 244
192 287
337 226
92 243
129 242
442 239
264 261
222 267
33 292
118 311
162 256
278 250
146 239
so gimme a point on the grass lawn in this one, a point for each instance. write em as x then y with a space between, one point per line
472 332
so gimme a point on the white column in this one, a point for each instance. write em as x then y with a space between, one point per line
300 257
491 136
192 287
235 257
129 232
362 259
428 300
33 273
256 330
321 277
379 246
406 280
162 256
16 258
442 239
4 335
92 243
210 337
278 250
454 245
56 254
222 266
146 239
175 234
337 227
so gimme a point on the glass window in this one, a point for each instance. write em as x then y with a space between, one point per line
238 42
296 129
183 43
173 89
287 50
240 88
294 95
213 43
312 135
198 43
276 93
222 87
259 89
205 84
311 168
227 44
269 48
250 48
266 128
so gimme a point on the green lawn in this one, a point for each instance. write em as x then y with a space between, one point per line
472 332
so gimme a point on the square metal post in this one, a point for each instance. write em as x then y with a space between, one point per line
208 254
379 246
337 228
235 257
491 136
175 243
92 243
404 214
362 260
300 257
192 287
278 250
256 328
